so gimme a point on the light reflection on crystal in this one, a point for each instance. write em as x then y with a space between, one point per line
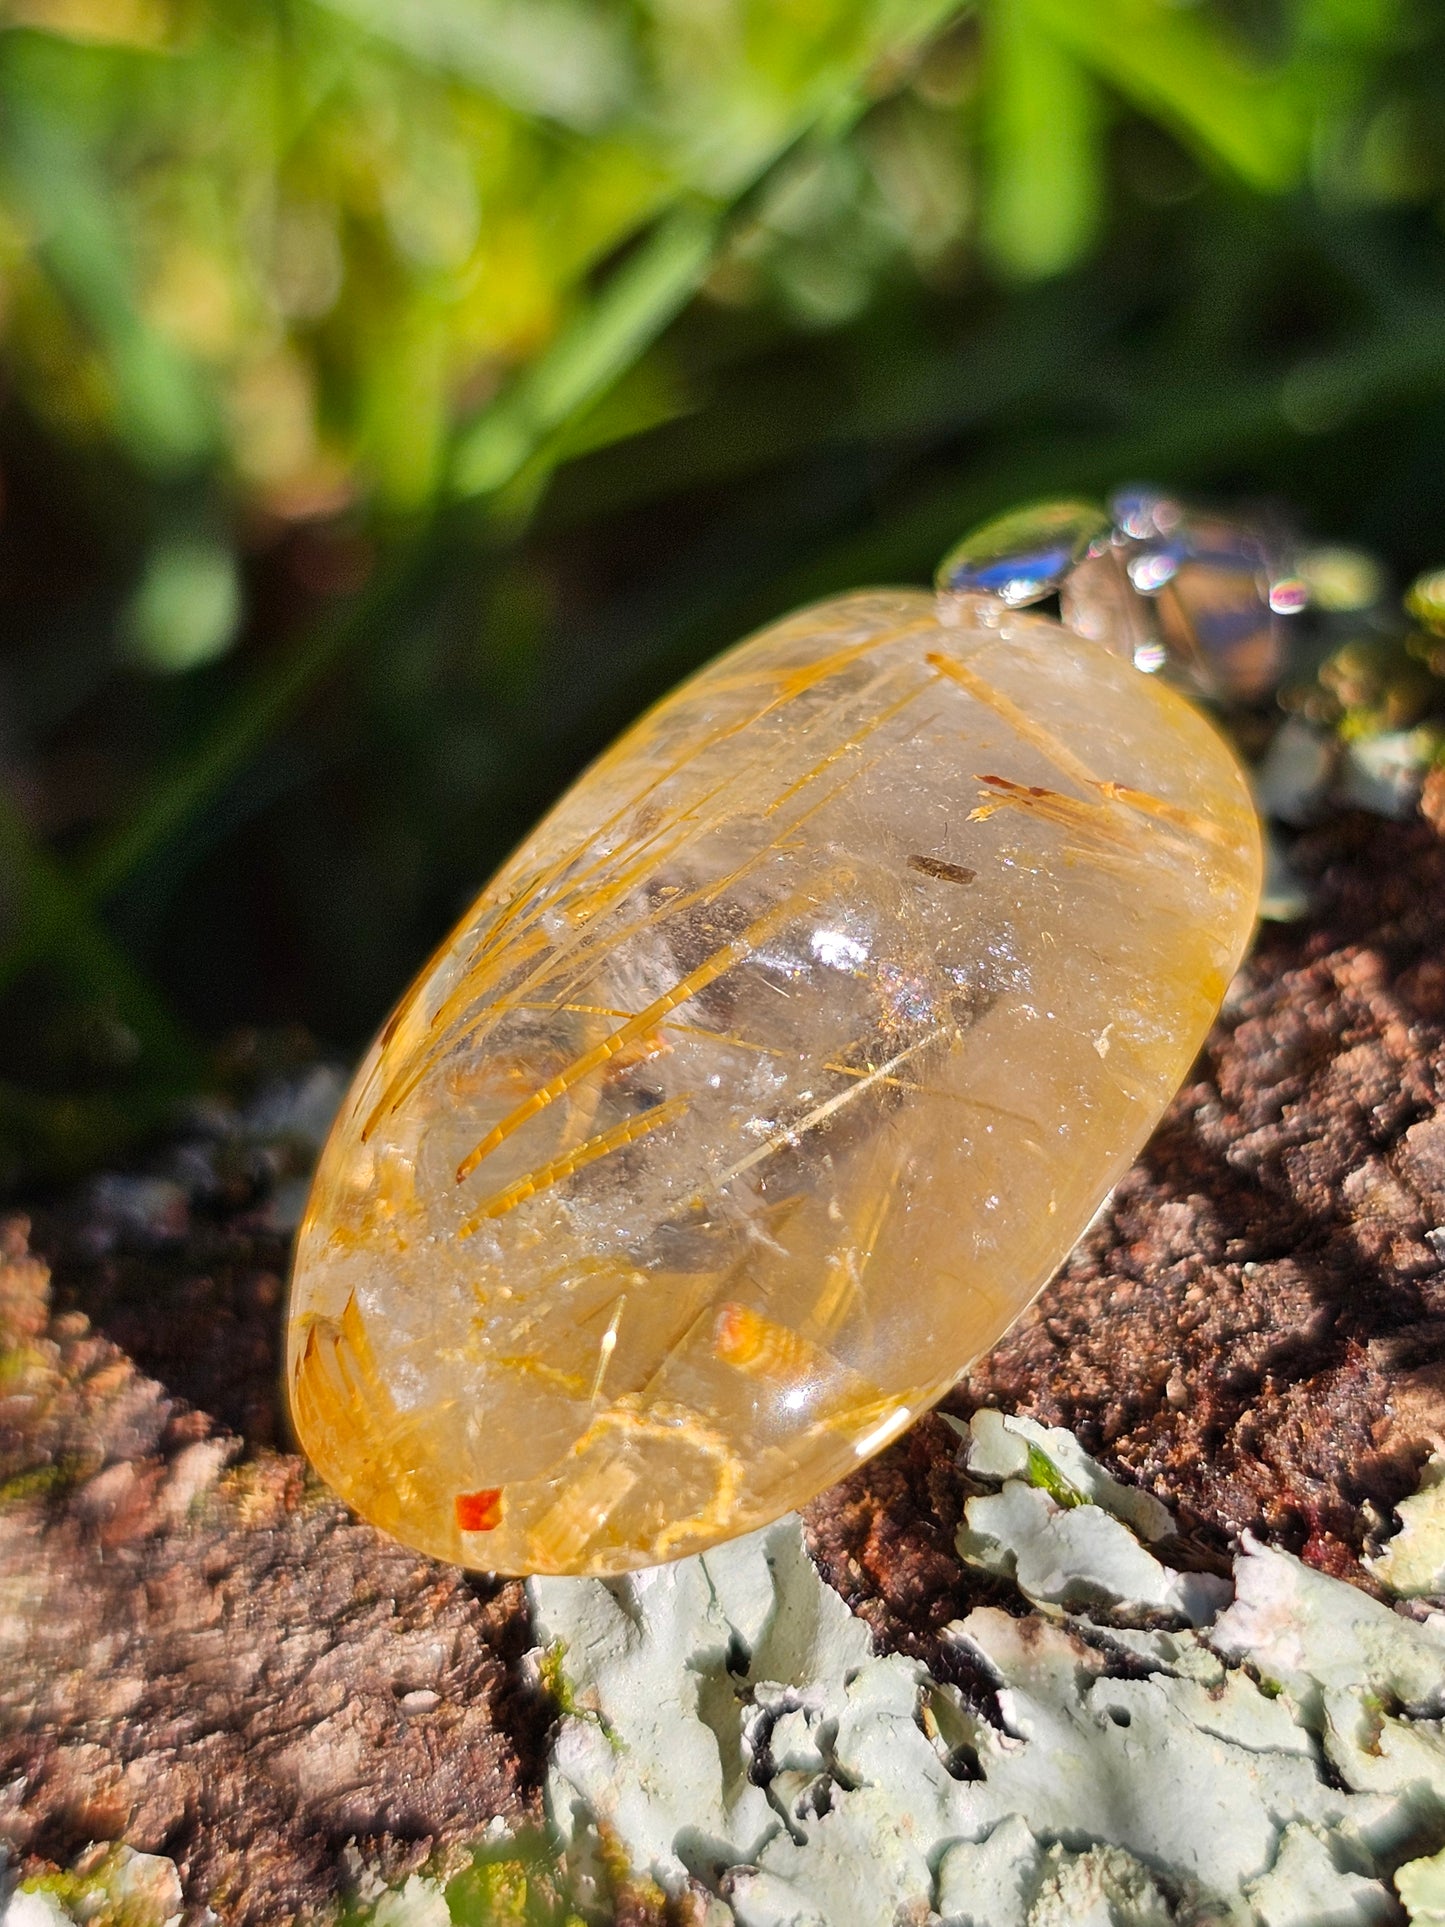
888 1429
1151 571
838 951
781 964
1098 601
1145 514
1215 589
1183 590
1024 556
1215 615
1290 596
1210 583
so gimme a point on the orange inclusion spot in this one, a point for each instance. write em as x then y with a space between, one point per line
736 1338
751 1343
479 1511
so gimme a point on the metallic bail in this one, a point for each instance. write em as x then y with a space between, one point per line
1023 556
1198 597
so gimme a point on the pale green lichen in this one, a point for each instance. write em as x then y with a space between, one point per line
1307 1886
1078 1556
1412 1564
1263 1766
418 1902
34 1906
1012 1879
1421 1886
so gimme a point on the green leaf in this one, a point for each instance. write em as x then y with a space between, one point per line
1177 65
1043 178
163 408
404 418
558 58
1421 1886
589 356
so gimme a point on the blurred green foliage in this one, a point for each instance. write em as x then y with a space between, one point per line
289 246
397 395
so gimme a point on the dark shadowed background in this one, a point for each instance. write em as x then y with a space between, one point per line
395 398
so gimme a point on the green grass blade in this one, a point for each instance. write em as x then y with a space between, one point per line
1043 180
650 290
1179 67
589 356
164 411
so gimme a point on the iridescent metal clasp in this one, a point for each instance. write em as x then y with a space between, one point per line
1024 556
1200 597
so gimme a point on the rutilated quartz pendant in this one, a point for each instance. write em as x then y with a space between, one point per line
765 1085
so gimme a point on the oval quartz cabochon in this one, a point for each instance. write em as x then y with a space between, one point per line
765 1085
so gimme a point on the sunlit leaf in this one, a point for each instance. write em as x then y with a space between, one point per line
605 339
162 409
1183 66
561 58
1043 185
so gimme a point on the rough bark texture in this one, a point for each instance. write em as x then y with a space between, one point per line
202 1654
211 1659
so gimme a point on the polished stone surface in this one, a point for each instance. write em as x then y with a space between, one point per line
765 1085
